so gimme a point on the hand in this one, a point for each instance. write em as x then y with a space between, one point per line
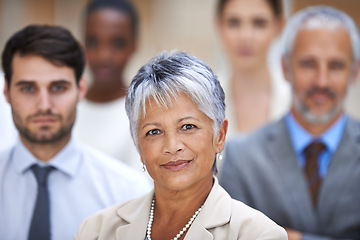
293 235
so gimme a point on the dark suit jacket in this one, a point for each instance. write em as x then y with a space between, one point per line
262 171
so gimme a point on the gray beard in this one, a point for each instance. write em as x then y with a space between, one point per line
310 118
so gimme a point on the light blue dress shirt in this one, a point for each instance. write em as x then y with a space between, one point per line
300 138
84 182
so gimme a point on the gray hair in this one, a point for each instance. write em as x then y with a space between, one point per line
165 77
316 18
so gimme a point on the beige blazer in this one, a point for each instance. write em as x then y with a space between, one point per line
220 218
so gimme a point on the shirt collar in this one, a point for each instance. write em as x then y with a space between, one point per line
301 138
68 160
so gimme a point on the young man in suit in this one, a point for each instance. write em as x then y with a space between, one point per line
304 170
49 181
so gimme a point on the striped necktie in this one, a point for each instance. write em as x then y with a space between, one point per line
312 153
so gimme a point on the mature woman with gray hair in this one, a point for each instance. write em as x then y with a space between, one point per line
176 109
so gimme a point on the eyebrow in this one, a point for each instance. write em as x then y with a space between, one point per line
179 121
26 82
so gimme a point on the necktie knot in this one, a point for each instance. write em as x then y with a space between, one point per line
314 149
41 174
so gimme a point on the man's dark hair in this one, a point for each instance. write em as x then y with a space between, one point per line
122 6
54 43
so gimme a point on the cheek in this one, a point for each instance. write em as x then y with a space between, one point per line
228 38
264 40
65 103
149 151
121 57
91 57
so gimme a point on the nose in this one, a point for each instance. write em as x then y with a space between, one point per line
322 78
104 53
44 101
173 144
245 32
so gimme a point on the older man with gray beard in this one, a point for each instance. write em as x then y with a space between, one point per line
304 170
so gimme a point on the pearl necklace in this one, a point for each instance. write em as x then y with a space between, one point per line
151 219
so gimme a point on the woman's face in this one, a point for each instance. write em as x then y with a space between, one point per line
247 29
109 44
177 145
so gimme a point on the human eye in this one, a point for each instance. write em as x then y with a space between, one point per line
153 132
119 43
233 22
58 88
336 65
260 22
27 88
188 127
307 63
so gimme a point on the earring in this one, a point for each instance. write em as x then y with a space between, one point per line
219 156
143 168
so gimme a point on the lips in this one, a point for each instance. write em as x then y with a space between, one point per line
103 72
176 165
44 120
245 52
321 94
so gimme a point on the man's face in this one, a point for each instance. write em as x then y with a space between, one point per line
43 98
320 71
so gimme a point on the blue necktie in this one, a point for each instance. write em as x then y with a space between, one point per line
40 223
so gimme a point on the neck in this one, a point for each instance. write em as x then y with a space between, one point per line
175 201
174 209
250 79
315 129
45 152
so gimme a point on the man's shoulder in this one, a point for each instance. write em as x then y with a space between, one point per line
5 156
103 163
353 125
254 223
259 136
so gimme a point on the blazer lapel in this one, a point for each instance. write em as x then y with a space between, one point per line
292 178
212 215
340 170
197 231
136 213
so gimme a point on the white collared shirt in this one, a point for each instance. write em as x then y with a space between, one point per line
84 182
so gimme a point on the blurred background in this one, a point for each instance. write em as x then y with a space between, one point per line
187 25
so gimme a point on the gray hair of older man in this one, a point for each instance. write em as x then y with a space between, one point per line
168 75
319 17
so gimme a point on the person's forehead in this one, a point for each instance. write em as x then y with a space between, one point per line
107 17
318 39
38 69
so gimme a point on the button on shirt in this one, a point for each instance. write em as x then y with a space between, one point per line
84 181
300 138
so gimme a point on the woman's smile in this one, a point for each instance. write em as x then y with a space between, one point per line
176 165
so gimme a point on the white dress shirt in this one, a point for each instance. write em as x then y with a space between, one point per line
8 132
105 126
84 182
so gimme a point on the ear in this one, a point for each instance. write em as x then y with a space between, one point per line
355 73
6 91
220 138
82 85
285 69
